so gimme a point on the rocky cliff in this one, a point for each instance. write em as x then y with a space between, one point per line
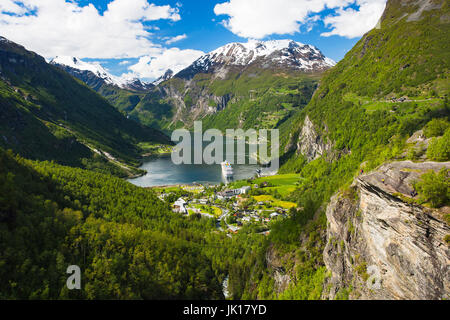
313 143
380 245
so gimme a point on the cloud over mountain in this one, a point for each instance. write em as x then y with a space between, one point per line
151 67
261 18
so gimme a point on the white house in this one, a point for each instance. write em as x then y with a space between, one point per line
274 215
245 189
180 206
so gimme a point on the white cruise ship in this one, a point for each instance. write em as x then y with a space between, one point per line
227 169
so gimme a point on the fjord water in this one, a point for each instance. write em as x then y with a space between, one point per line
161 171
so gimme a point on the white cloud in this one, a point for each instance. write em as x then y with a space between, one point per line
10 6
261 18
123 63
175 39
152 67
351 23
66 28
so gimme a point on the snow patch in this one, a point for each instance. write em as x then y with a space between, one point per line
96 68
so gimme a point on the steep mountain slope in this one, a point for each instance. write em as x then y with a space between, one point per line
237 85
48 115
368 110
122 93
393 81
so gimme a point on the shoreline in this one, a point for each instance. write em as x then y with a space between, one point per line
178 186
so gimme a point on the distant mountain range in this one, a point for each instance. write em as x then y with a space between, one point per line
175 100
94 75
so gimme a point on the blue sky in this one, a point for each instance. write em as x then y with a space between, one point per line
145 37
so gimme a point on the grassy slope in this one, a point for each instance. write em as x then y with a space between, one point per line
153 111
122 99
401 59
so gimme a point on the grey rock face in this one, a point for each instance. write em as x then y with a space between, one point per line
311 144
381 246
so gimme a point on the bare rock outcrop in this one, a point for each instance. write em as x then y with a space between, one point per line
381 246
311 143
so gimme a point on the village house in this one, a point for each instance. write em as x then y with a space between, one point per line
245 189
180 206
226 194
274 215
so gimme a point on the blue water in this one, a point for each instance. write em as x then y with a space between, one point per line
162 171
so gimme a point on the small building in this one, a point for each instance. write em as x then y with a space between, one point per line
203 201
180 206
274 215
245 189
226 194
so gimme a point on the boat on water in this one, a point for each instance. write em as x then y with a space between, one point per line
227 169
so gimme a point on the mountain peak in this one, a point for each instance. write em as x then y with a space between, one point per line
166 76
267 54
95 68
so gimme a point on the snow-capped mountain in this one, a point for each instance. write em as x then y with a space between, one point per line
94 75
166 76
266 54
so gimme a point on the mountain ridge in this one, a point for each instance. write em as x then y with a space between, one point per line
85 70
267 54
38 95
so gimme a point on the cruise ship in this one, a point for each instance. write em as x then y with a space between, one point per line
227 169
